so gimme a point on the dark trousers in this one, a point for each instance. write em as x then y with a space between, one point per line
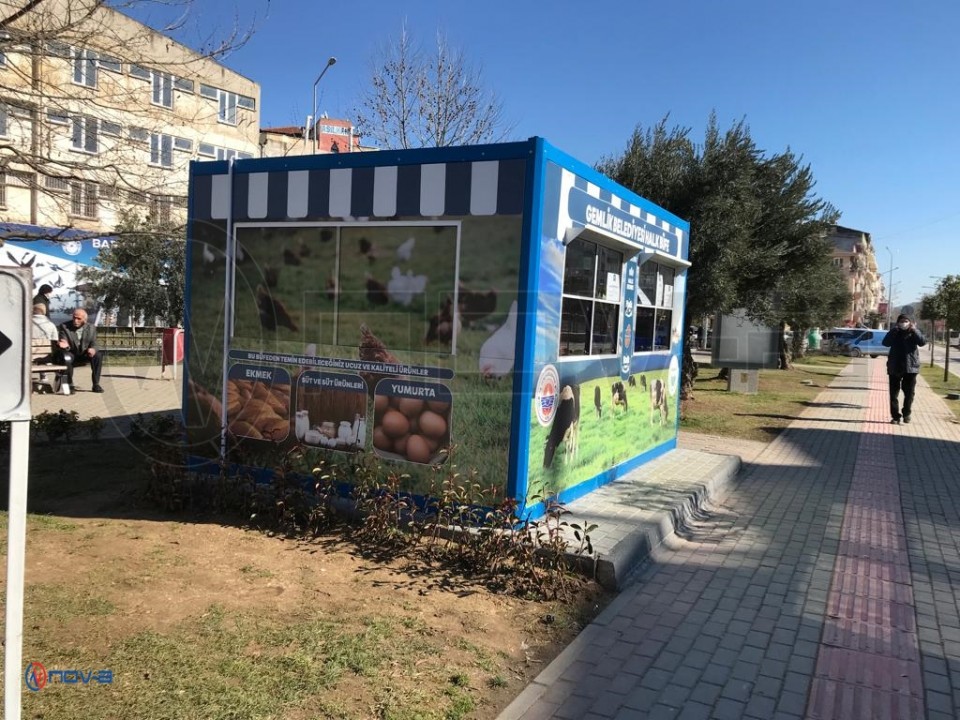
70 360
906 382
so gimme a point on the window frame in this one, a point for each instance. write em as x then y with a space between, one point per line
84 200
224 108
161 86
658 303
3 188
159 153
600 246
81 126
85 67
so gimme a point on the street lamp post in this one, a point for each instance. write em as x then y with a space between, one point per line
890 288
312 119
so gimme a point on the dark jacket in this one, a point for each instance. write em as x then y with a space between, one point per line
41 298
88 340
904 357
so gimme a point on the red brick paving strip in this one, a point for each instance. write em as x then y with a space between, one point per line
868 664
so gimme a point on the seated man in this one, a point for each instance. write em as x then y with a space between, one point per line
78 346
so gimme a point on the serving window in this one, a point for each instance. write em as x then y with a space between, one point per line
590 310
654 314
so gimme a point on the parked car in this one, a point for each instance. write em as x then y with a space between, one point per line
868 342
834 339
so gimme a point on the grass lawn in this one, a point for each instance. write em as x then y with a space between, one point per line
197 617
934 378
782 397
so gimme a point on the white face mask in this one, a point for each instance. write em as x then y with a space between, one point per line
903 325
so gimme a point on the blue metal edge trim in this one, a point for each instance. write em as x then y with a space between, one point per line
527 324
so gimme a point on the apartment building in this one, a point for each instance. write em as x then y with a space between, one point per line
853 252
99 112
333 135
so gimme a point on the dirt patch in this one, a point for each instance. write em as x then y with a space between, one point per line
318 629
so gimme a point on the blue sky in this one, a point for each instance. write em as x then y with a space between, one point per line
866 92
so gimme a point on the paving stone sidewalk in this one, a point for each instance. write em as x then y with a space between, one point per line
128 392
825 585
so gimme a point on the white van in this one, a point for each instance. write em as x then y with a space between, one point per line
869 342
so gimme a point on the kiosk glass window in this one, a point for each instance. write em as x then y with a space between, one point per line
654 316
590 312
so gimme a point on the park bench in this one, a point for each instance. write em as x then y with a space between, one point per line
52 373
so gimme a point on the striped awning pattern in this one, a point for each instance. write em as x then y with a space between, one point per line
489 187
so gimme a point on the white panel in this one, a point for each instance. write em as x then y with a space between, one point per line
483 187
433 188
385 191
593 190
636 212
340 182
220 197
298 193
257 195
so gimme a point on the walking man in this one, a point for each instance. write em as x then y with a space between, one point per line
903 364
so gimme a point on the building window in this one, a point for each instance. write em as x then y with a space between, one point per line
86 132
3 121
83 200
226 154
228 107
183 85
84 67
140 72
58 117
110 63
161 150
163 89
56 184
590 306
654 314
160 207
3 189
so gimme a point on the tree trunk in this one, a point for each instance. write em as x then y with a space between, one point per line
796 345
688 373
782 343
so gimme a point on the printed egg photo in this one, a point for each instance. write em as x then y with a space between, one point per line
410 428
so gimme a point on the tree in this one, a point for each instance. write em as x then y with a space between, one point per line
427 99
143 270
944 304
816 297
75 103
754 218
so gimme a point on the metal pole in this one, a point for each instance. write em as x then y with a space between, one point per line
330 63
16 557
933 339
946 359
890 289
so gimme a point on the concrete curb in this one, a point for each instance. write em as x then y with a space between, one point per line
613 568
